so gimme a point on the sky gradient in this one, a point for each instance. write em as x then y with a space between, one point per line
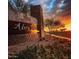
60 9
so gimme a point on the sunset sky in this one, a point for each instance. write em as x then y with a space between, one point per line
60 9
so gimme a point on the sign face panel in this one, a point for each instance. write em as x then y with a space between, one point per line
18 27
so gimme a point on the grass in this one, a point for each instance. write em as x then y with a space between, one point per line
59 49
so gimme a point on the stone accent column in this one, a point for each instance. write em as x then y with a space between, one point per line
37 12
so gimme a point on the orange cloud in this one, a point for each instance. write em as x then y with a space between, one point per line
66 20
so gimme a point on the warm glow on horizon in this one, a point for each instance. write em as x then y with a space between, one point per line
66 21
68 28
34 31
46 29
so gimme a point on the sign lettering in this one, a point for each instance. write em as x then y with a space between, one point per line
18 27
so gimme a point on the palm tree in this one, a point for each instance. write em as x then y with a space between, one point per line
17 4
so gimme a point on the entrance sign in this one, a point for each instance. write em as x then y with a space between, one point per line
18 27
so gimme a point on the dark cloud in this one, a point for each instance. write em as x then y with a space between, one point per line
67 9
64 6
